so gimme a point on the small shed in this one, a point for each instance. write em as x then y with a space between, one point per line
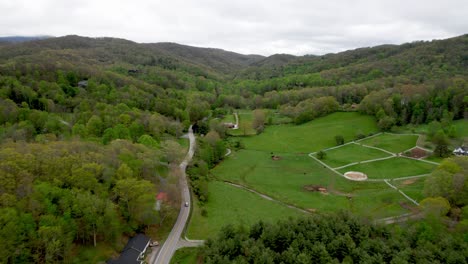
83 84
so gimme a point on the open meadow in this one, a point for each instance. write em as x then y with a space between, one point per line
276 164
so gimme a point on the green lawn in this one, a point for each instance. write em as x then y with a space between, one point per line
462 128
351 153
392 142
230 205
414 188
314 135
245 123
391 168
185 256
285 179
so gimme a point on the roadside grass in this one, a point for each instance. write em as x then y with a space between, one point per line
391 168
184 142
231 205
185 256
392 142
351 153
314 135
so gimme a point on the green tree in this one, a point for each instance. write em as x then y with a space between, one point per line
339 140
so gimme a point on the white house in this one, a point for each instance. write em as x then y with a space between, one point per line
461 151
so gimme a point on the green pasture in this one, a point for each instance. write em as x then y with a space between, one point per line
391 168
351 153
414 188
231 205
284 180
245 123
392 142
314 135
461 127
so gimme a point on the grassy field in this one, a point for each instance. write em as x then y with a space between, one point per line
351 153
312 136
412 187
391 168
245 123
276 163
462 128
284 179
185 256
230 205
392 142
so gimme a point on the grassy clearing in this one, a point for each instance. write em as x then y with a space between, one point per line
391 168
245 123
312 136
461 127
391 142
185 256
230 205
414 188
351 153
284 179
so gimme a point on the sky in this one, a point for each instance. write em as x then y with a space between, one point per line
261 27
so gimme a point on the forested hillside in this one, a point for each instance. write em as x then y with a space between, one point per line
97 120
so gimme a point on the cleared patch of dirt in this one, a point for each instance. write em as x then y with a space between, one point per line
416 153
408 182
355 176
316 188
274 157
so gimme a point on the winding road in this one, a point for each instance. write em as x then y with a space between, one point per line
173 242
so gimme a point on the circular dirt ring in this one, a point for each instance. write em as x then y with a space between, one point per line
355 176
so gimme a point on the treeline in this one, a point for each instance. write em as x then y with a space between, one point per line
335 239
59 194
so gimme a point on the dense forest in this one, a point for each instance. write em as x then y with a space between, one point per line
337 238
96 120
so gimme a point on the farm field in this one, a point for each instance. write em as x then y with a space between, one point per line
231 205
276 163
391 168
351 153
245 123
312 136
391 142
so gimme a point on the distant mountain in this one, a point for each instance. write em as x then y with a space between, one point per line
218 59
17 39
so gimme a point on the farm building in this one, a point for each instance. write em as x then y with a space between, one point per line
461 151
134 251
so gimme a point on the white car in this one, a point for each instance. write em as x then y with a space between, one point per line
186 204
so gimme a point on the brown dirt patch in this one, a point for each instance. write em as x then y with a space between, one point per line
417 153
316 188
355 176
409 181
274 157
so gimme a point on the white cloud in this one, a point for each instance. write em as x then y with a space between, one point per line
255 26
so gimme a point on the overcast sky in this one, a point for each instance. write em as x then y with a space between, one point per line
245 26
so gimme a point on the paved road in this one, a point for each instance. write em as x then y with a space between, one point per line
171 244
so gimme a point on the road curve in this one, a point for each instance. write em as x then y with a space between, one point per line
171 244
